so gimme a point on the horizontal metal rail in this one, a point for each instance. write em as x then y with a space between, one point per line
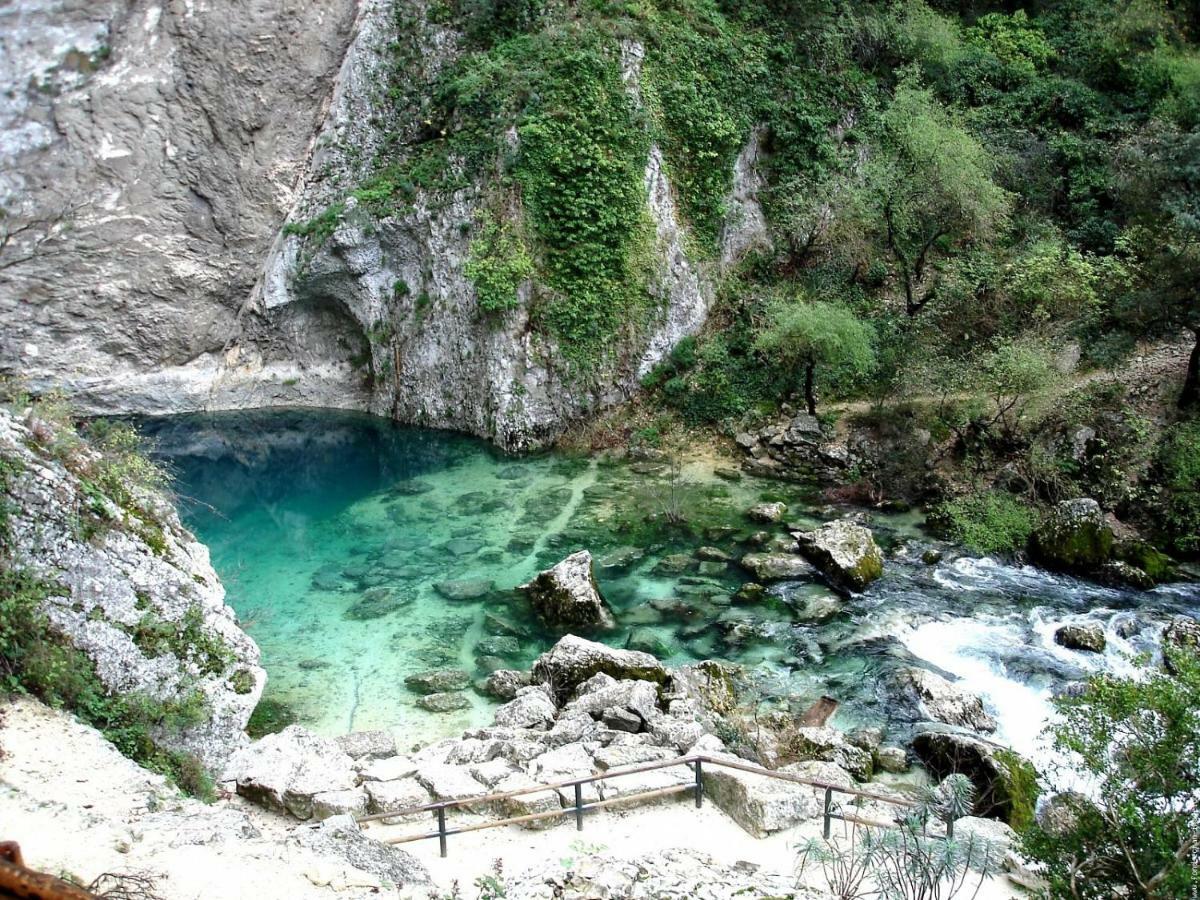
579 808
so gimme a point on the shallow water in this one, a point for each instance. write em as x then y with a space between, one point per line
316 519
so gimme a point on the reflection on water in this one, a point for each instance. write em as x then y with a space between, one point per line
333 531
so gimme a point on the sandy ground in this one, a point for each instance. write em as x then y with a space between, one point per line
628 834
79 809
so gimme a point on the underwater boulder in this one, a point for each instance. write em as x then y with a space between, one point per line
567 597
448 701
845 552
464 588
438 681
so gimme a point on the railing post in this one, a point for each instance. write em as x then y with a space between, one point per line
578 807
828 810
699 786
441 817
949 829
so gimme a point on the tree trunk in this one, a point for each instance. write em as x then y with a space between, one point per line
1189 397
810 396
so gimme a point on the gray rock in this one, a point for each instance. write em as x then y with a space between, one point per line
130 571
451 701
567 596
764 805
647 640
447 782
1087 636
767 513
531 708
389 796
563 764
339 803
573 660
777 566
527 804
340 836
891 759
284 771
465 589
621 719
639 697
390 769
502 646
674 564
845 552
713 554
503 684
437 681
367 745
620 756
621 558
936 698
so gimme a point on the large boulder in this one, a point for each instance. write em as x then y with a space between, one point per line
1005 782
933 697
438 681
763 805
1074 538
340 836
573 660
845 552
285 771
503 684
531 708
777 566
1087 636
567 597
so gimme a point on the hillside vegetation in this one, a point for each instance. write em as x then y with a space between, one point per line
975 211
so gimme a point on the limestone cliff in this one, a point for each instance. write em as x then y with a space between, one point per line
136 591
152 154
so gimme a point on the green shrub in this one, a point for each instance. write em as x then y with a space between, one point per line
1137 740
497 265
1177 475
990 522
37 660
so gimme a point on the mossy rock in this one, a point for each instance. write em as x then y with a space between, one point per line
1074 538
1157 565
1005 782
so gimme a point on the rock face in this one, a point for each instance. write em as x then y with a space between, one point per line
936 698
183 179
139 598
1074 538
1088 636
285 771
567 597
845 552
1006 783
794 448
574 660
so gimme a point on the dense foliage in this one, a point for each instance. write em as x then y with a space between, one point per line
1138 741
1007 198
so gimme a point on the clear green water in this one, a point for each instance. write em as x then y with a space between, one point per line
309 514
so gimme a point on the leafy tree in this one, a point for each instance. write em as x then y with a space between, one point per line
1163 192
1135 835
803 336
928 190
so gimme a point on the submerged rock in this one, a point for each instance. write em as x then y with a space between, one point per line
767 513
573 660
375 604
845 552
567 596
647 640
438 681
444 702
285 771
777 566
1074 538
1087 636
465 588
938 699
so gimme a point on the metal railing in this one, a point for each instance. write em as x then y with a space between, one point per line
579 808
